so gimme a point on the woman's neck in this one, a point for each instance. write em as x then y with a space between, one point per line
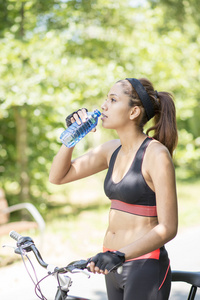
131 141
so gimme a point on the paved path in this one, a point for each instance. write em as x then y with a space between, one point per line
184 252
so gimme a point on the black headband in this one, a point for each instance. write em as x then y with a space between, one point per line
144 97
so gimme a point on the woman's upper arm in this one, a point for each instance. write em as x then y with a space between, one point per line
92 162
162 173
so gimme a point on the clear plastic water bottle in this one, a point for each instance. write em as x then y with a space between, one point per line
74 133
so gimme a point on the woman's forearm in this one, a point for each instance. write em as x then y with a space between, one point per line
153 240
61 165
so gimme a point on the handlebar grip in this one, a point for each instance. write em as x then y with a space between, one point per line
15 235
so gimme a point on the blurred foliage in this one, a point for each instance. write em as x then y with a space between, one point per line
58 56
179 11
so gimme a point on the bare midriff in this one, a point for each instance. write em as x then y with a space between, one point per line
125 228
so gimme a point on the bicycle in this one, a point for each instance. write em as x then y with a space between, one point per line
25 244
193 278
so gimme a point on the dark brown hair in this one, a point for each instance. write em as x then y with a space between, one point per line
164 127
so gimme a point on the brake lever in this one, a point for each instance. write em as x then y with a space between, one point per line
17 250
9 246
80 264
85 272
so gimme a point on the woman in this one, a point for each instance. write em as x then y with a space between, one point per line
140 184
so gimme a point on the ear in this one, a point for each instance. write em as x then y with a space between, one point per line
135 112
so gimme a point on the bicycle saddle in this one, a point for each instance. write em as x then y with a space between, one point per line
192 278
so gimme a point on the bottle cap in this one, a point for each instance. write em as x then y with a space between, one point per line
97 112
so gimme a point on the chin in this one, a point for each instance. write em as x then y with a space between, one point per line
107 127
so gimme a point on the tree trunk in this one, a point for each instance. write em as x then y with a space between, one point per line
21 149
21 136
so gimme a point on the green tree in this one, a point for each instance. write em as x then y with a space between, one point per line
46 56
181 19
179 11
57 56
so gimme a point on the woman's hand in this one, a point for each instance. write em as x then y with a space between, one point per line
80 116
105 262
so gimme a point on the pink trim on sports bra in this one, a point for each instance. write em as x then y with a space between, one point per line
141 210
151 255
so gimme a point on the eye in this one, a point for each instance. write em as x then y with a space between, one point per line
113 100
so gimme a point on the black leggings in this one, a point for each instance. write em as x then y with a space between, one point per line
142 279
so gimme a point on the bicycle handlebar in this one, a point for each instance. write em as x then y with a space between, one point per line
15 235
25 243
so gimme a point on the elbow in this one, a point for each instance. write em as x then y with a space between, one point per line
175 230
58 180
171 232
54 180
167 233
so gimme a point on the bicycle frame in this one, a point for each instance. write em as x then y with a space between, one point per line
26 244
193 278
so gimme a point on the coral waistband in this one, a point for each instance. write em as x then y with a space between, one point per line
151 255
141 210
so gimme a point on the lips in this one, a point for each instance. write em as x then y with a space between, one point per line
104 116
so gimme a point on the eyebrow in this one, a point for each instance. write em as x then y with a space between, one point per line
113 95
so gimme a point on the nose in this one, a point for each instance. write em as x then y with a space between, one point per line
104 106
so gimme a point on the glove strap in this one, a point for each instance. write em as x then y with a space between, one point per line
68 119
120 254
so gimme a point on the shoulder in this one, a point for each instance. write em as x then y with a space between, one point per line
156 148
108 148
158 168
157 155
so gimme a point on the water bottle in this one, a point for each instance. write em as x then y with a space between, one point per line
74 133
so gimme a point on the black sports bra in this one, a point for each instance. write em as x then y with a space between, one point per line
131 194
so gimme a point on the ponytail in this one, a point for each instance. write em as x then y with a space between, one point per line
165 128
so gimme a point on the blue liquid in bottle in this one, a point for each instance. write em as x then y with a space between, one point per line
74 133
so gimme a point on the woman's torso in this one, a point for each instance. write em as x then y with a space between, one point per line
133 208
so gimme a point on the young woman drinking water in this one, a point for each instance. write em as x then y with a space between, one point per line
140 183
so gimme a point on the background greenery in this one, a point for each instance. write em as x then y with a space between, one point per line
60 55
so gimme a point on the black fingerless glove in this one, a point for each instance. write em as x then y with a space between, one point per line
108 260
68 119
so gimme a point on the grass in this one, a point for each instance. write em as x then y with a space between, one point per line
189 203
